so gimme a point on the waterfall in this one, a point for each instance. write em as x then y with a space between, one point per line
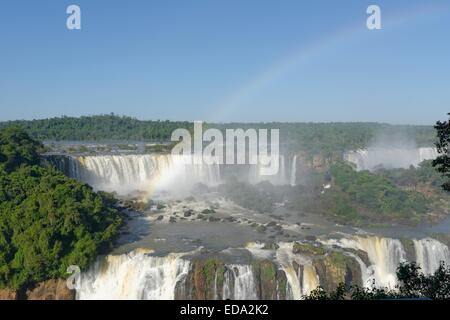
125 173
281 178
384 254
300 274
430 253
293 171
372 158
133 276
239 283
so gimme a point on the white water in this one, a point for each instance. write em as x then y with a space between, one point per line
242 279
384 254
280 178
293 179
138 275
389 158
126 173
300 281
133 276
430 253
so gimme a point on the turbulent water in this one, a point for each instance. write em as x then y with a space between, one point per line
133 276
372 158
126 173
385 254
139 275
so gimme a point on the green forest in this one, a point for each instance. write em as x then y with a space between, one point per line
313 137
47 220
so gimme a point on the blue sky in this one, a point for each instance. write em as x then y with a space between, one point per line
227 60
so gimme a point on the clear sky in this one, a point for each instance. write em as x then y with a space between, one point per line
227 60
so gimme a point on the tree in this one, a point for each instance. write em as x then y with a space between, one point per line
17 148
412 284
442 163
47 220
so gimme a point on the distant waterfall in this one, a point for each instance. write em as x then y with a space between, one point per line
430 253
133 276
373 158
125 173
239 283
293 179
281 178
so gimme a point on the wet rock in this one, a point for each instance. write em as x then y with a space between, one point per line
172 220
271 246
208 211
213 219
271 224
160 218
188 213
261 229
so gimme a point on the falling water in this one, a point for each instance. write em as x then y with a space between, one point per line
294 171
125 173
372 158
132 276
384 254
301 281
243 283
430 253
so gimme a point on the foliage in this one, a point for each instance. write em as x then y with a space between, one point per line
47 220
413 284
99 127
17 148
442 163
324 138
376 192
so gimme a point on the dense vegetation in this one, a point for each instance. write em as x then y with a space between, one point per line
325 138
352 197
442 163
47 221
413 284
101 127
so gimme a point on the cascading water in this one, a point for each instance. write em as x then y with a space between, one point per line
430 254
280 178
293 179
301 280
372 158
239 283
125 173
385 255
133 276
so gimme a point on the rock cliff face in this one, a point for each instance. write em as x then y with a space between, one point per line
54 289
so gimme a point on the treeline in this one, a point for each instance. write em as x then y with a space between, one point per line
47 220
314 137
98 127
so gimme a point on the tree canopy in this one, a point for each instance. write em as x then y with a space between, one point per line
47 220
442 163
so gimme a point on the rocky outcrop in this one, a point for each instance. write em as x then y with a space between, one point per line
204 281
8 294
54 289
